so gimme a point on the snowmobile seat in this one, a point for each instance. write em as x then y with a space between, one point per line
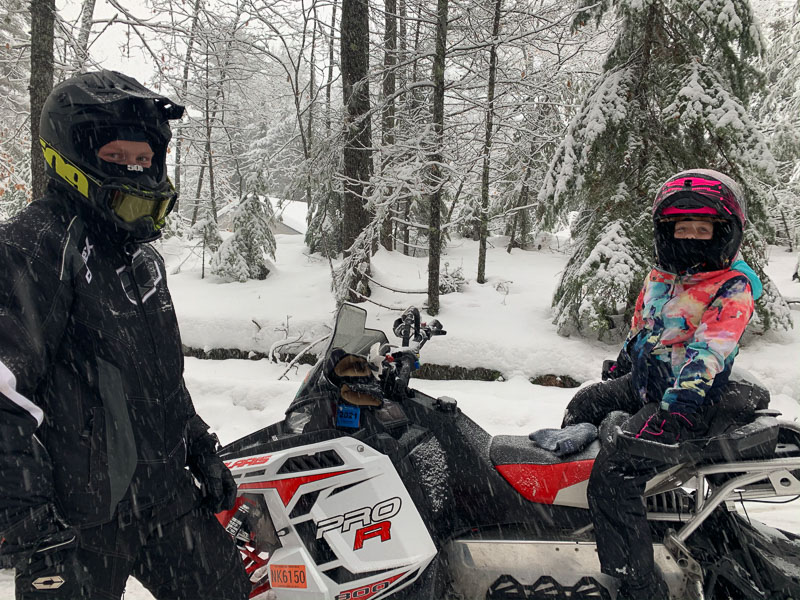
753 441
518 449
540 476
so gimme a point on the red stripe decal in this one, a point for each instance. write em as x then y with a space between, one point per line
541 483
288 487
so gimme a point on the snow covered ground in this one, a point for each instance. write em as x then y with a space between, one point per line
504 324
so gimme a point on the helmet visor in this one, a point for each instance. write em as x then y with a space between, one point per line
132 205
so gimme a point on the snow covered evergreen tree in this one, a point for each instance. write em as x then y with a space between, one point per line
243 255
206 229
229 263
324 232
673 95
778 110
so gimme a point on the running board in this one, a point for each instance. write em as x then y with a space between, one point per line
478 565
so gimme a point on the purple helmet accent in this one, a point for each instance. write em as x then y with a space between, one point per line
724 193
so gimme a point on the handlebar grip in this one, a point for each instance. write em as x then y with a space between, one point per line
406 366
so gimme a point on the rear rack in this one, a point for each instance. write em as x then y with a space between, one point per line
758 461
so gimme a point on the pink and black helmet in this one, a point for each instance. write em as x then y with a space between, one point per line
699 193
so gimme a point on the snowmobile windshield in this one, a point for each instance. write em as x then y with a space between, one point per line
350 336
350 333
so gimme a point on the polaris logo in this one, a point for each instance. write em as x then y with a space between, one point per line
372 522
252 461
51 582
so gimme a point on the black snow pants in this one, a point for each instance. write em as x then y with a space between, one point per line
616 502
617 482
175 554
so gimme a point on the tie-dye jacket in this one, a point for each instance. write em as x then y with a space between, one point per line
685 334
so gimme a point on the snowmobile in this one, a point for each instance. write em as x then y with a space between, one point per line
368 489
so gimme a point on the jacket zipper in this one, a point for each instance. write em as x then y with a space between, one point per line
129 252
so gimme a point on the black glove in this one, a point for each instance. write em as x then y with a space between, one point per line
42 548
41 530
611 370
666 427
216 482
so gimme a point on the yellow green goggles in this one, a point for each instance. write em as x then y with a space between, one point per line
130 205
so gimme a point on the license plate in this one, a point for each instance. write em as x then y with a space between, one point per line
287 576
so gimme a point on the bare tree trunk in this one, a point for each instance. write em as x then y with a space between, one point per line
435 222
487 147
415 65
402 77
405 230
402 45
312 94
312 85
358 135
211 188
789 235
387 114
197 194
523 200
41 82
82 56
184 89
209 153
330 71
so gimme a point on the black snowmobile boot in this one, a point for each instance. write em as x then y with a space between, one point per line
652 587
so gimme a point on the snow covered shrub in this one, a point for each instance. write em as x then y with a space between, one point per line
243 255
451 281
175 226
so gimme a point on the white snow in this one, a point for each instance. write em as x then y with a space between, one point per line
505 324
291 212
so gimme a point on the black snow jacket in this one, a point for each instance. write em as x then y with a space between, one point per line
94 413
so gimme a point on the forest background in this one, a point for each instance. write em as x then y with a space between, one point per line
404 124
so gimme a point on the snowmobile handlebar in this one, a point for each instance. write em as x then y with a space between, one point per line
414 334
408 362
407 326
410 329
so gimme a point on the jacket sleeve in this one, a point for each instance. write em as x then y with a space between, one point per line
715 342
33 303
199 440
624 363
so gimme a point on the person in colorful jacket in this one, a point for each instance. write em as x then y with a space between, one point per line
672 374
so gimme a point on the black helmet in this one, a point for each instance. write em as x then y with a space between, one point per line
698 194
87 111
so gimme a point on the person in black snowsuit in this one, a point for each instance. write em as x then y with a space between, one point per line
672 375
100 444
